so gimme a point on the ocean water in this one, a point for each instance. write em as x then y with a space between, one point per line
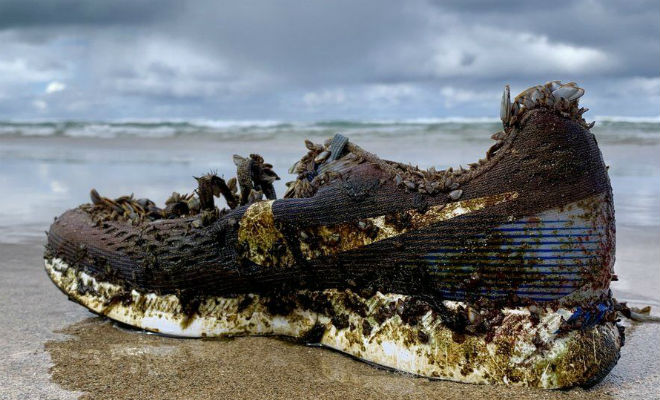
47 167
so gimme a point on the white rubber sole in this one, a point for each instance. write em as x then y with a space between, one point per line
517 352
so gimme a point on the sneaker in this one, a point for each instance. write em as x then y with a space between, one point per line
496 273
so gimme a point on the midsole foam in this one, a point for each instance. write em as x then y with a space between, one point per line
520 350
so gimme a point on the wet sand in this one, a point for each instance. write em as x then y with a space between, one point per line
54 349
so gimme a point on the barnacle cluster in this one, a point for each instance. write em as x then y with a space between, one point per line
309 174
554 96
560 97
254 178
330 160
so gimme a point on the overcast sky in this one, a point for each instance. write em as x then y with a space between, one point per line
308 60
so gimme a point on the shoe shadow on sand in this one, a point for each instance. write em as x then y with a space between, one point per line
105 360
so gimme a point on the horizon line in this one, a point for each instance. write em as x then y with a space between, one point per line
220 122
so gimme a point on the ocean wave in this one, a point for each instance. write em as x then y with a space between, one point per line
633 120
221 128
609 128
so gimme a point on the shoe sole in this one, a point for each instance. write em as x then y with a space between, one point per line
522 351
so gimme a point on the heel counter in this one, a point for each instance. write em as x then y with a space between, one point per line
573 183
597 211
596 215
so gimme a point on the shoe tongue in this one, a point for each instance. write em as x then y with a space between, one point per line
336 148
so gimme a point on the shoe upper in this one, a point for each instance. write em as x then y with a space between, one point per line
533 222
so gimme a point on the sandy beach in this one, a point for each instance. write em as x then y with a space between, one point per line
51 348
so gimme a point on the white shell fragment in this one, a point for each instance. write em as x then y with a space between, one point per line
322 157
537 94
569 91
577 95
455 194
553 85
563 92
505 106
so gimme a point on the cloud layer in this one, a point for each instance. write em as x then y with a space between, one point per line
319 60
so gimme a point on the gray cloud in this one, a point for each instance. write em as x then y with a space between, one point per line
307 60
20 14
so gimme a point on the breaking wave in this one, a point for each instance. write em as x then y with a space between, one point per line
608 128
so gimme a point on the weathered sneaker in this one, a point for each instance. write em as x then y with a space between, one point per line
498 273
